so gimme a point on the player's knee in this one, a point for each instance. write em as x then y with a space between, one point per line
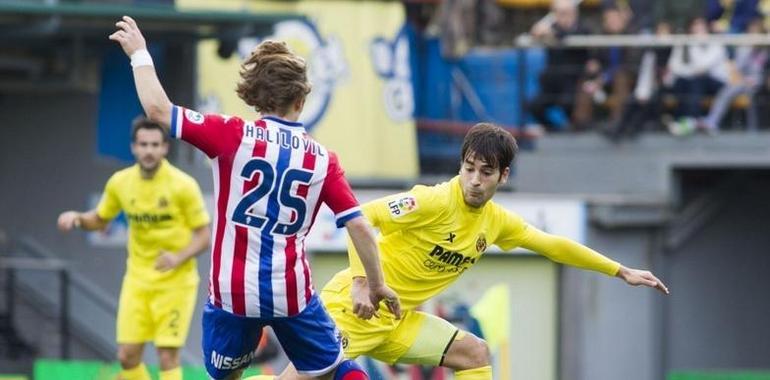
350 370
168 358
468 352
129 357
479 354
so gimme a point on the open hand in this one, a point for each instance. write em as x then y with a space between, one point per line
129 36
636 277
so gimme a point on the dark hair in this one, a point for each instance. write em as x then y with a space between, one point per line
141 122
489 142
273 78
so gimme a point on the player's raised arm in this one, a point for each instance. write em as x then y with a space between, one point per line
154 100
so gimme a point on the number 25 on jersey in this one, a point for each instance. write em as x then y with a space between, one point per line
279 192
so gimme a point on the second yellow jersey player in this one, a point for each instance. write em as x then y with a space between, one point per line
162 212
167 228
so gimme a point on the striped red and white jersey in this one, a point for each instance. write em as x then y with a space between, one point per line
270 178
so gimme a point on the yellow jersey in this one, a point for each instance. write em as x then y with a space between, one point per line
429 236
162 212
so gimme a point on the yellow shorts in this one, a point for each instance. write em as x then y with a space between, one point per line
159 315
417 338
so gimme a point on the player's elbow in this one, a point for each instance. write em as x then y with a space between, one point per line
204 235
159 113
357 225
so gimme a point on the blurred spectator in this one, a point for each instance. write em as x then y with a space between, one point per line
462 24
643 107
456 21
616 77
491 18
695 70
761 100
764 10
746 73
418 15
677 13
560 80
731 16
640 14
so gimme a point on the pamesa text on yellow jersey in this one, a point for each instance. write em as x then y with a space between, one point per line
162 212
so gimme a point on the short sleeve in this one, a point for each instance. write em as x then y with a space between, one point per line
192 206
337 194
210 133
513 230
109 205
411 209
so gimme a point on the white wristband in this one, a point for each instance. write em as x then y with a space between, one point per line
141 58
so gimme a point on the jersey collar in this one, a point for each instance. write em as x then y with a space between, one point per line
284 123
162 169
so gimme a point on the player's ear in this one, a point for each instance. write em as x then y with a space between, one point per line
504 175
299 104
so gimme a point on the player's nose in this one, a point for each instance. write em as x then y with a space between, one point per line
476 180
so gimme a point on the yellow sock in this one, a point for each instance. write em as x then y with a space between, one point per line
481 373
260 377
171 374
137 373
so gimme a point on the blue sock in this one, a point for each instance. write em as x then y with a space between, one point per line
350 370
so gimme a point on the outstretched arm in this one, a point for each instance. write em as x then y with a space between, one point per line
154 100
88 220
566 251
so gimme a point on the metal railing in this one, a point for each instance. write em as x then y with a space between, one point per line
645 40
12 265
79 296
74 295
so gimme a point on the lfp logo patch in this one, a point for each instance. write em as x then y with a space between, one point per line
402 206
